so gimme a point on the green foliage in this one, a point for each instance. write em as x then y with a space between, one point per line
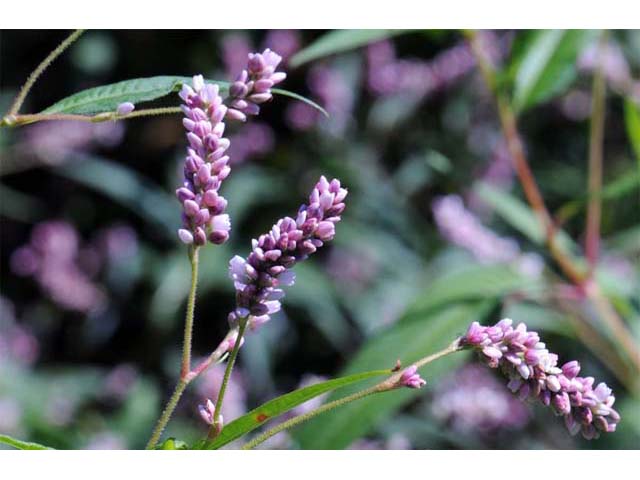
546 65
282 404
338 41
106 98
632 123
408 340
471 282
21 445
172 444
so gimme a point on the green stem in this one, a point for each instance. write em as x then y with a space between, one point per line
26 119
391 383
188 321
596 140
166 414
185 378
217 426
17 103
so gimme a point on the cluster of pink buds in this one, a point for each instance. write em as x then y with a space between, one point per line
205 166
258 278
533 374
253 85
411 378
207 411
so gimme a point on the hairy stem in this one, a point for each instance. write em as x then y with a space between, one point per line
185 377
391 383
26 119
188 321
166 414
216 427
19 100
596 140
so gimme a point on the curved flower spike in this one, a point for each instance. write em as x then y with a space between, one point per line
259 279
533 373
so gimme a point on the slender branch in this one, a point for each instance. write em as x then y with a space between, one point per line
26 119
19 100
532 193
391 383
185 377
166 414
216 427
596 140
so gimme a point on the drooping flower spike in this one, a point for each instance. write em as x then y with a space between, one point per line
533 373
205 166
259 278
253 86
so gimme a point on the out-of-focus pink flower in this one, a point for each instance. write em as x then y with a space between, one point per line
106 441
236 47
17 344
285 42
614 65
54 141
253 140
472 400
51 257
462 228
10 416
119 381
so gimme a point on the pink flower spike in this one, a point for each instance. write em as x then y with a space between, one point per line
411 378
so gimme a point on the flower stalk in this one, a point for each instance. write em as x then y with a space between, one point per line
596 140
22 95
397 380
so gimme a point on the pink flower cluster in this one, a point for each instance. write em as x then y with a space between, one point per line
258 278
205 166
411 378
253 86
533 373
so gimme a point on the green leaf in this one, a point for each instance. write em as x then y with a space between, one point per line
409 340
338 41
172 444
106 98
311 103
283 404
632 122
519 215
21 445
546 66
127 187
472 282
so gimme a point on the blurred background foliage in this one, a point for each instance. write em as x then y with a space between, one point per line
90 345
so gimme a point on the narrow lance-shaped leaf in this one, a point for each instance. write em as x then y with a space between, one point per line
547 65
106 98
338 41
410 341
22 445
276 407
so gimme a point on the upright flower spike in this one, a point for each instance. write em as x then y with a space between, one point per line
258 279
206 412
205 166
253 86
533 373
